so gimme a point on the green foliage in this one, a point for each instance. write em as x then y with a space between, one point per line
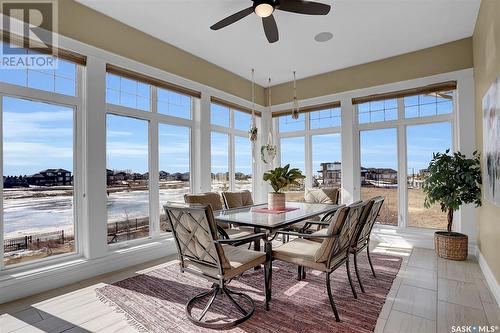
454 180
282 177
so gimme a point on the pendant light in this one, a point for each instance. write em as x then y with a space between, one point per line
252 132
295 102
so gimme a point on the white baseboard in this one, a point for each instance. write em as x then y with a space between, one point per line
15 286
488 275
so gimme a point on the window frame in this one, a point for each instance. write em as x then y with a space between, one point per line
232 132
77 104
401 125
154 118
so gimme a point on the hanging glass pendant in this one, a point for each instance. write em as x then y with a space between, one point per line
252 132
295 102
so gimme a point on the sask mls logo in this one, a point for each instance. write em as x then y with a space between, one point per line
29 38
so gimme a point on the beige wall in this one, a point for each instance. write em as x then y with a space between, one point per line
91 27
435 60
486 46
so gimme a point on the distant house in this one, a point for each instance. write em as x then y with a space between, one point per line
51 177
381 175
331 173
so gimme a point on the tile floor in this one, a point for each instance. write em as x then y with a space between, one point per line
429 295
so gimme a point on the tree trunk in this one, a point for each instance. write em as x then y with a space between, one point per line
450 219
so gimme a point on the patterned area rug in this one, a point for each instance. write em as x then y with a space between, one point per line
155 301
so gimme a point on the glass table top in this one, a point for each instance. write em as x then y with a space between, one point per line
247 217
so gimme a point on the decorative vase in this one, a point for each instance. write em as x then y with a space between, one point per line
275 201
451 245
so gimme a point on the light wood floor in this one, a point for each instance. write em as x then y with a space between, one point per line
429 295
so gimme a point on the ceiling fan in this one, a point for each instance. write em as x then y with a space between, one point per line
265 9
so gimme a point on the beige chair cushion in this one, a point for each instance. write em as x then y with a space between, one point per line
237 199
210 198
238 232
333 229
240 260
299 251
322 195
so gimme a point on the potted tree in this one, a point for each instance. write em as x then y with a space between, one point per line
280 178
453 180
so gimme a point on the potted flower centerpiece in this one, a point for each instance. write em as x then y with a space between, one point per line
453 180
280 178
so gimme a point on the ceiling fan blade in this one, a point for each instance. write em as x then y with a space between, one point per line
233 18
270 28
304 7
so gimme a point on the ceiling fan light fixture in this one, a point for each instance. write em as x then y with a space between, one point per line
263 8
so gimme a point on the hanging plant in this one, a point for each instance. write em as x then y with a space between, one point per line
295 104
252 133
268 153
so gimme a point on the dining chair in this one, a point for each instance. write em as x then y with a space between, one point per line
327 255
361 239
316 195
237 199
203 253
214 200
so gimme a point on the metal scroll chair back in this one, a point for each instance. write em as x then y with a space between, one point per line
195 232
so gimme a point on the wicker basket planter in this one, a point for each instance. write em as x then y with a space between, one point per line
451 245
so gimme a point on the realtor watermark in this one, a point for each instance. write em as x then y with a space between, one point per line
29 31
474 328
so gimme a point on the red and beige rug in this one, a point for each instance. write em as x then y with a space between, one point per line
155 301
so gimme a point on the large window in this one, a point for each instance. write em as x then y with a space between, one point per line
288 124
174 171
127 178
38 180
231 150
422 141
398 137
136 199
379 175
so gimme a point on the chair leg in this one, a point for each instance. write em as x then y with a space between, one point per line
267 266
330 297
357 271
369 258
355 294
299 273
209 304
303 273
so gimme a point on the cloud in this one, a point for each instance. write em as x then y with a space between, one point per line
126 149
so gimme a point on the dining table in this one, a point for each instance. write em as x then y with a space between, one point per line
269 222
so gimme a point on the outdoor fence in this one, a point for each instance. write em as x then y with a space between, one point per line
23 243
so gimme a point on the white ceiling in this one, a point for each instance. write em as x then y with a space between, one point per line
363 30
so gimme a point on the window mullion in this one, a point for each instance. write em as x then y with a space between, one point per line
1 188
402 168
154 195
